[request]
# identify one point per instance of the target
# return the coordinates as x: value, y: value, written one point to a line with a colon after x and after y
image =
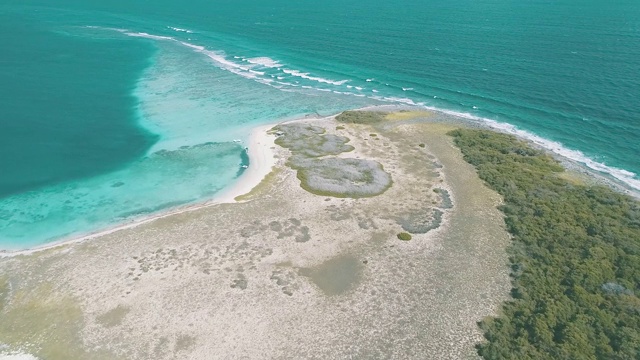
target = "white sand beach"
x: 261, y: 162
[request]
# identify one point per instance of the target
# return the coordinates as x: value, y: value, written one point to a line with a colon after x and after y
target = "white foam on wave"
x: 217, y: 56
x: 264, y: 61
x: 406, y: 101
x: 195, y: 47
x: 244, y: 70
x: 313, y: 78
x: 180, y: 30
x: 625, y: 176
x: 148, y: 36
x: 220, y: 59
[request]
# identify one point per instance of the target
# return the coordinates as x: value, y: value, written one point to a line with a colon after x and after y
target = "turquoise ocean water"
x: 111, y: 110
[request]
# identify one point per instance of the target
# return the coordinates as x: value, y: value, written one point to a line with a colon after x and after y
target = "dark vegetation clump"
x: 311, y: 141
x: 361, y: 117
x: 324, y: 175
x: 575, y: 258
x: 422, y: 221
x: 404, y: 236
x: 342, y: 177
x: 445, y: 198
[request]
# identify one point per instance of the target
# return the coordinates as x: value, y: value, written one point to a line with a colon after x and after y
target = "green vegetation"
x: 404, y: 236
x: 421, y: 145
x: 575, y: 258
x: 361, y: 117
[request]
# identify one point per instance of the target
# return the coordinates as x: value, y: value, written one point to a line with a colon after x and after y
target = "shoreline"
x: 235, y: 266
x: 261, y: 163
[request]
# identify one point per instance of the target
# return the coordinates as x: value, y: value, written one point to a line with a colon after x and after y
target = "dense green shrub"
x: 404, y: 236
x: 360, y: 117
x: 575, y: 258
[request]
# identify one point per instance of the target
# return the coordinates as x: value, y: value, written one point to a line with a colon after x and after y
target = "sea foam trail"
x: 180, y: 30
x: 264, y: 61
x: 248, y: 71
x: 314, y: 78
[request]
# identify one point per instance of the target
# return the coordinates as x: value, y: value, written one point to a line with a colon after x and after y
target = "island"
x: 370, y: 234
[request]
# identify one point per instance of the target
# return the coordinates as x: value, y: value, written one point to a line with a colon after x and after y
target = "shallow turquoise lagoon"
x: 111, y: 110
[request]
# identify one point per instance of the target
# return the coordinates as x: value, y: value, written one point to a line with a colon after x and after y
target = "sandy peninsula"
x: 295, y: 261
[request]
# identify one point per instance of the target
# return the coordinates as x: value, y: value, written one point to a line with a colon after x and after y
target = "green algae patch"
x: 335, y: 276
x: 43, y: 323
x: 361, y: 117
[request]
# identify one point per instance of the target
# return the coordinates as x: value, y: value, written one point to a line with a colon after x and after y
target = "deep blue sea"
x: 114, y: 109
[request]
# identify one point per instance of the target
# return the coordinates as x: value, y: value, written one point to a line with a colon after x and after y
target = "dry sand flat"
x: 284, y: 274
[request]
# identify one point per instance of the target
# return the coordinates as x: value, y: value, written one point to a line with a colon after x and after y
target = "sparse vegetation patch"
x: 330, y: 176
x: 339, y: 177
x: 361, y: 117
x: 421, y: 221
x: 310, y: 141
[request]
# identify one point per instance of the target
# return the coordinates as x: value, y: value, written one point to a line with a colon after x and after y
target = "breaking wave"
x: 264, y: 69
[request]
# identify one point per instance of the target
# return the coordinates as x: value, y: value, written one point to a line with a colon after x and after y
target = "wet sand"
x: 283, y: 273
